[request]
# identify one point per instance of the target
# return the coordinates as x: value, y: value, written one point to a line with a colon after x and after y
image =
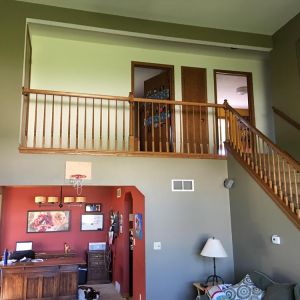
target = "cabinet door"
x: 12, y: 286
x: 68, y: 281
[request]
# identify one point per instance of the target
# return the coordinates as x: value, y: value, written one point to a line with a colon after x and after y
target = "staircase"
x: 273, y: 169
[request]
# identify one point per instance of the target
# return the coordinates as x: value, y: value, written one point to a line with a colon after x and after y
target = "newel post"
x: 227, y: 121
x: 131, y: 122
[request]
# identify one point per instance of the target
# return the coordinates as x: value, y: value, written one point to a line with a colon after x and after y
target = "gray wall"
x: 285, y: 69
x: 255, y: 218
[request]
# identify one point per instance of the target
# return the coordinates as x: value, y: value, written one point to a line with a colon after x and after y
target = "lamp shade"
x: 80, y: 199
x: 69, y: 199
x: 53, y: 199
x: 40, y: 199
x: 213, y: 248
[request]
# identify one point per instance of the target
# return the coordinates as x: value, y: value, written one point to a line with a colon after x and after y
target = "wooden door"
x: 156, y: 128
x: 195, y: 128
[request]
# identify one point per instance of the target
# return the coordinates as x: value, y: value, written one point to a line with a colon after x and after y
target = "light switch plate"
x: 157, y: 245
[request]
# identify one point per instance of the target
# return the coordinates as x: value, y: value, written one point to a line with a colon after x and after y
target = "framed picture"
x: 93, y: 207
x: 91, y: 222
x: 48, y: 221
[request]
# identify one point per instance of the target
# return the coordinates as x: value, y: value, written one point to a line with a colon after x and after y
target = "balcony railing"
x: 98, y: 124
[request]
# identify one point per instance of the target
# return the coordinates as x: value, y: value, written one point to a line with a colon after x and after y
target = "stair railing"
x: 277, y: 171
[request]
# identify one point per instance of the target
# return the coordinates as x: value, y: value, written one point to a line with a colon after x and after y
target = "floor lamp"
x: 214, y: 248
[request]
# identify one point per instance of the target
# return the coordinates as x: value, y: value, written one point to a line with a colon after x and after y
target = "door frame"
x: 248, y: 75
x: 169, y: 68
x: 147, y: 65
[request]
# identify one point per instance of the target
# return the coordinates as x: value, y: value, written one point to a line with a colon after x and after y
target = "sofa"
x: 271, y: 289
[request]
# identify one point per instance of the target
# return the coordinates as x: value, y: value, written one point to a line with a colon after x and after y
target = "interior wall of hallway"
x: 285, y: 62
x: 254, y: 219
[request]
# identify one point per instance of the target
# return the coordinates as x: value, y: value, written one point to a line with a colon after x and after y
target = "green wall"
x: 254, y: 219
x: 285, y: 68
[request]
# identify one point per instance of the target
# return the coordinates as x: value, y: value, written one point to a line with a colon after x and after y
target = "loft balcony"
x: 64, y: 122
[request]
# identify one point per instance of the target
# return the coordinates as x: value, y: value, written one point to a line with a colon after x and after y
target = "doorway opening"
x: 156, y: 82
x: 237, y: 88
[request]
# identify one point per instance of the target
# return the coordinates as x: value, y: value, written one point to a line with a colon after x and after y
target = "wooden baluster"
x: 116, y: 126
x: 108, y: 125
x: 26, y: 99
x: 174, y: 128
x: 60, y: 121
x: 250, y: 154
x: 255, y: 153
x: 274, y: 173
x: 296, y: 194
x: 194, y: 130
x: 181, y: 128
x: 291, y: 200
x: 285, y: 197
x: 131, y: 123
x: 152, y: 127
x: 200, y: 130
x: 77, y: 123
x: 146, y: 126
x: 214, y: 132
x: 52, y: 121
x: 187, y: 130
x: 85, y: 120
x: 138, y: 124
x: 44, y: 122
x: 93, y: 125
x: 279, y: 179
x: 246, y: 144
x: 69, y: 124
x: 167, y: 130
x: 35, y: 120
x: 259, y: 155
x: 101, y: 126
x: 265, y: 164
x: 159, y: 128
x: 221, y: 151
x: 227, y: 131
x: 269, y: 168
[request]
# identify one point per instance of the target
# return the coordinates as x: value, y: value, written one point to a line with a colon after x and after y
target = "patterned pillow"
x: 244, y: 290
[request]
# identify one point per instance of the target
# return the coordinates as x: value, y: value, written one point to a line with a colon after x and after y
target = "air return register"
x: 182, y: 185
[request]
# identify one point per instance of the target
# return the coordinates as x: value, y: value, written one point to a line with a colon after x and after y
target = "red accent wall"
x: 121, y: 244
x: 18, y: 200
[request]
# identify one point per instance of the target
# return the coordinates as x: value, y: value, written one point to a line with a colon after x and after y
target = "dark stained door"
x: 195, y: 129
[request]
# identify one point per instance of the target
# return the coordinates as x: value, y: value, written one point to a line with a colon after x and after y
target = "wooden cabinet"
x: 51, y: 279
x: 97, y: 267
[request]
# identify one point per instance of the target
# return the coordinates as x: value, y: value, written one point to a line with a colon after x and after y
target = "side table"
x: 201, y: 289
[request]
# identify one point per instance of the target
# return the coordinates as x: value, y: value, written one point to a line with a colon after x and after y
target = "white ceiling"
x: 257, y: 16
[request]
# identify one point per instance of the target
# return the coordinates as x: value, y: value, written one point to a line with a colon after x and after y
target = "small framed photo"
x: 91, y: 222
x: 93, y: 207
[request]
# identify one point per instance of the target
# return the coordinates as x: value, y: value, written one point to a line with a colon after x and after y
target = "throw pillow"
x: 279, y: 292
x: 244, y: 290
x: 216, y: 293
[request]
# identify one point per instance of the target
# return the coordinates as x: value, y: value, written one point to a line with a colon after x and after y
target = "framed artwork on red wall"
x: 48, y: 221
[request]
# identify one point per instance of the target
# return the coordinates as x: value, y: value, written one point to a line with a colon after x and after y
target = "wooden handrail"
x: 176, y: 102
x: 27, y: 91
x: 286, y: 155
x: 287, y: 118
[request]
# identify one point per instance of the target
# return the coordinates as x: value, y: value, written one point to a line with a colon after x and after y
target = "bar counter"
x: 55, y: 278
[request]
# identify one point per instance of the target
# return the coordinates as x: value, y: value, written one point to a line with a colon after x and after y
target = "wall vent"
x: 182, y: 185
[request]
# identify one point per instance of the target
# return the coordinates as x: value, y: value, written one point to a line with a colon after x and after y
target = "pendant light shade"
x: 80, y: 199
x: 69, y: 199
x: 53, y: 199
x: 40, y: 199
